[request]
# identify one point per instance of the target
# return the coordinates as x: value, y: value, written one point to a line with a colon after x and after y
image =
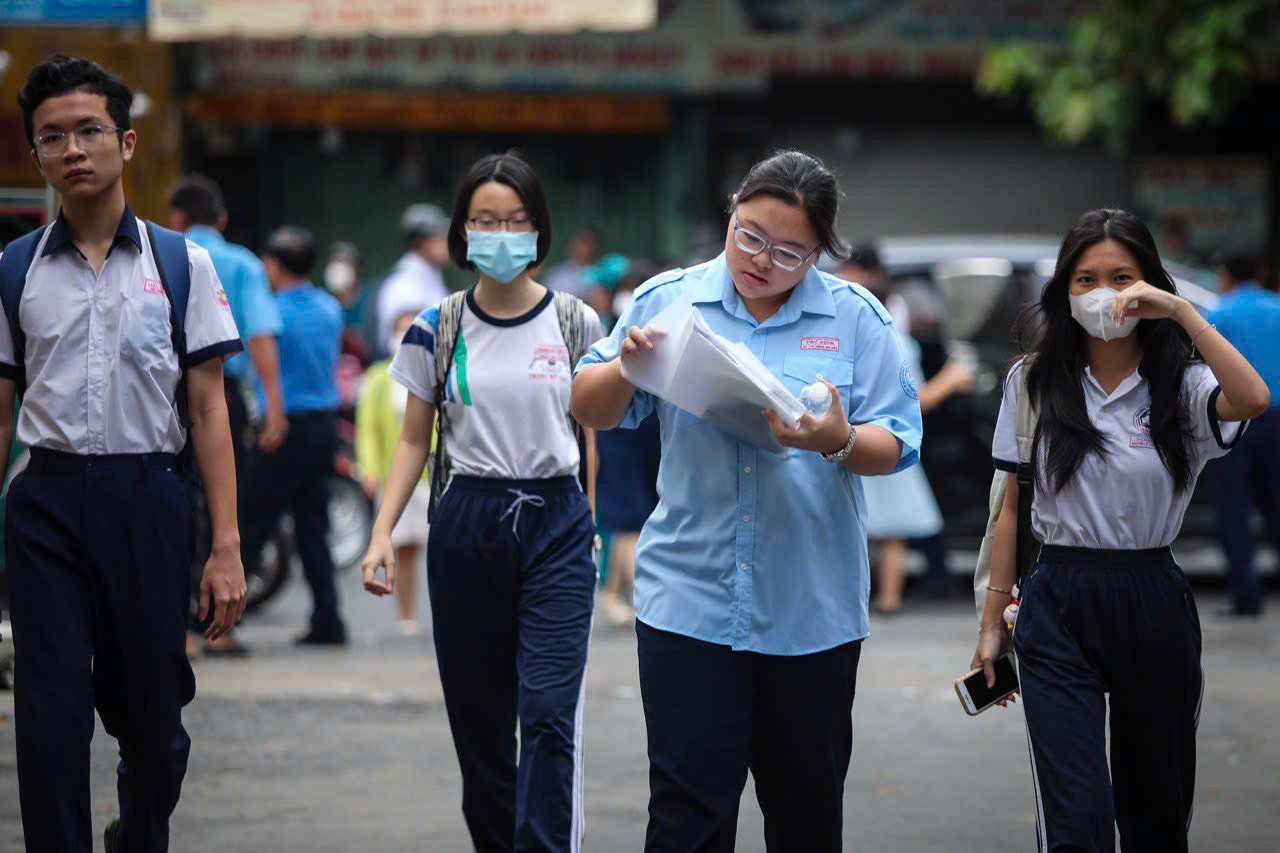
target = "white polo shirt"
x: 100, y: 367
x: 1125, y: 499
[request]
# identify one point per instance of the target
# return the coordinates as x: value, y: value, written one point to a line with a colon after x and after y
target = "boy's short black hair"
x: 864, y: 255
x: 61, y: 75
x: 513, y: 171
x: 294, y: 248
x: 199, y: 198
x: 1241, y: 266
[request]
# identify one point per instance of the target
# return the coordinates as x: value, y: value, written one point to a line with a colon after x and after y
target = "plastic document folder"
x: 719, y: 380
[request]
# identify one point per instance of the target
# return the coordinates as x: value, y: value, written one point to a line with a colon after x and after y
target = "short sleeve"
x: 414, y: 366
x: 884, y: 392
x: 1004, y: 444
x: 1213, y: 437
x: 210, y: 328
x: 260, y: 314
x: 606, y: 349
x: 8, y: 361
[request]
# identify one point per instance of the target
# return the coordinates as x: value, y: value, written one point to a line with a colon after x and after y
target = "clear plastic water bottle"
x: 816, y: 398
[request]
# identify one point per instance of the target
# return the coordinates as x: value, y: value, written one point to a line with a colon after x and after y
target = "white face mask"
x: 339, y: 277
x: 1092, y: 311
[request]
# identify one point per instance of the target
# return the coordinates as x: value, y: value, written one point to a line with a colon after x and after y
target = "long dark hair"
x: 800, y: 180
x: 1057, y: 358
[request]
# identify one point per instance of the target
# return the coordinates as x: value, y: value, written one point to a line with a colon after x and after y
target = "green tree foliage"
x: 1196, y: 57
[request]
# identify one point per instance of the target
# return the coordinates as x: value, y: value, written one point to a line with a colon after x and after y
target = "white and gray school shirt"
x: 507, y: 394
x: 100, y: 367
x: 1125, y: 499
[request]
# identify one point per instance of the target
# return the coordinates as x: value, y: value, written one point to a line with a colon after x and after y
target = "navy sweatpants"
x: 713, y: 714
x: 1118, y: 624
x: 512, y: 584
x: 98, y: 551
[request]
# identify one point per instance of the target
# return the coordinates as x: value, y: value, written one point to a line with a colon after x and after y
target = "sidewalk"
x: 349, y: 750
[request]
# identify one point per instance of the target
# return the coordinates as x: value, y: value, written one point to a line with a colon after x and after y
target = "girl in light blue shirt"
x: 751, y: 575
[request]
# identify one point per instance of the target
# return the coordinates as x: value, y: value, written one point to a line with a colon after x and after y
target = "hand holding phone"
x: 974, y: 693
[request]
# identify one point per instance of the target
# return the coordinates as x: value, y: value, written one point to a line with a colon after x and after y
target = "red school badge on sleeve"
x: 222, y: 298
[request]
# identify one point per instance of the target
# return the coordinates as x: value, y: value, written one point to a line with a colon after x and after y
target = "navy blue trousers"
x: 713, y: 714
x: 1246, y: 477
x: 99, y: 560
x: 512, y: 584
x: 297, y: 478
x: 1120, y: 625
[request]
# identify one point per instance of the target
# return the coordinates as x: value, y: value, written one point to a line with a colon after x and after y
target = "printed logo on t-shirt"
x: 820, y: 344
x: 152, y: 286
x: 550, y: 361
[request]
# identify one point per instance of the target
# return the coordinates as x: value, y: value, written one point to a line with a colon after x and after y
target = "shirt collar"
x: 810, y: 296
x: 60, y: 232
x: 205, y: 236
x: 1133, y: 380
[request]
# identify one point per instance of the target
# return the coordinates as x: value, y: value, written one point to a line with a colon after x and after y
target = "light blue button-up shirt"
x: 245, y: 281
x: 747, y: 548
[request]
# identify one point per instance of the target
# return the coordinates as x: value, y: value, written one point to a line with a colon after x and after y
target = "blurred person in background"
x: 379, y: 420
x: 415, y: 282
x: 890, y: 519
x: 297, y: 475
x: 197, y: 208
x: 570, y: 275
x: 1249, y: 317
x: 343, y: 278
x: 604, y: 277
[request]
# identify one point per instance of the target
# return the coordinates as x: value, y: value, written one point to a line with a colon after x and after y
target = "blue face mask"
x: 502, y: 255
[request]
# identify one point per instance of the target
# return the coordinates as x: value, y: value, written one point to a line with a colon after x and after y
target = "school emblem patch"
x: 1141, y: 435
x: 908, y: 383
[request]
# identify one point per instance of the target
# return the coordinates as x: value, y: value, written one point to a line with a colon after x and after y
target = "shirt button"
x: 746, y: 518
x: 746, y: 469
x: 742, y: 566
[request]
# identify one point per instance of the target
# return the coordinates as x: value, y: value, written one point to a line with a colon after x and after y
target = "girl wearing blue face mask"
x: 1134, y: 391
x: 510, y: 571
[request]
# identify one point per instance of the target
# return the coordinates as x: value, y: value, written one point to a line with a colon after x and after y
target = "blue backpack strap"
x: 170, y: 249
x: 14, y: 263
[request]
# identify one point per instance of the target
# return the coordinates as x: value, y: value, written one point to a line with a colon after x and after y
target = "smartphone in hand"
x: 974, y: 693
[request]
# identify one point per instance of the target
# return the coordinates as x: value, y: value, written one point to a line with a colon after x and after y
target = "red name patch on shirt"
x: 820, y: 344
x: 151, y: 285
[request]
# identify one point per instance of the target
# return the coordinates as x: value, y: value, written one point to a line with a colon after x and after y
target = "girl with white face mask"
x: 1135, y: 392
x: 510, y: 571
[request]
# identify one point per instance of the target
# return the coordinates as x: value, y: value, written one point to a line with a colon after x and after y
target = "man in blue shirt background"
x: 197, y: 208
x: 1249, y: 317
x: 297, y: 475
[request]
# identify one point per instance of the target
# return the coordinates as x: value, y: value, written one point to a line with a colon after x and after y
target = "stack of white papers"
x: 719, y: 380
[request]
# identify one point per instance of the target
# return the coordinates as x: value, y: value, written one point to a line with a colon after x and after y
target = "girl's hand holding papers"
x: 639, y: 342
x: 826, y: 434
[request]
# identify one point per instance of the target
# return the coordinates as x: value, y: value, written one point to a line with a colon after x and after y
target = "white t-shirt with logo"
x: 507, y: 394
x: 1125, y: 499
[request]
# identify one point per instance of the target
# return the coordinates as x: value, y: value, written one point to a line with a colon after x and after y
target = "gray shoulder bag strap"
x: 1026, y: 432
x: 450, y: 324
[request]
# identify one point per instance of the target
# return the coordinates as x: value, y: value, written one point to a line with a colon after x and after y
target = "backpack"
x: 170, y: 251
x: 1025, y: 552
x: 570, y: 312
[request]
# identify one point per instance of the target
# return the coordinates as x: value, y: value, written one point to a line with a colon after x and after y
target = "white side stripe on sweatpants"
x: 578, y: 828
x: 1041, y: 830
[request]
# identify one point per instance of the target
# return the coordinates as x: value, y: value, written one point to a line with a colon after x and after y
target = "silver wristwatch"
x: 843, y: 453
